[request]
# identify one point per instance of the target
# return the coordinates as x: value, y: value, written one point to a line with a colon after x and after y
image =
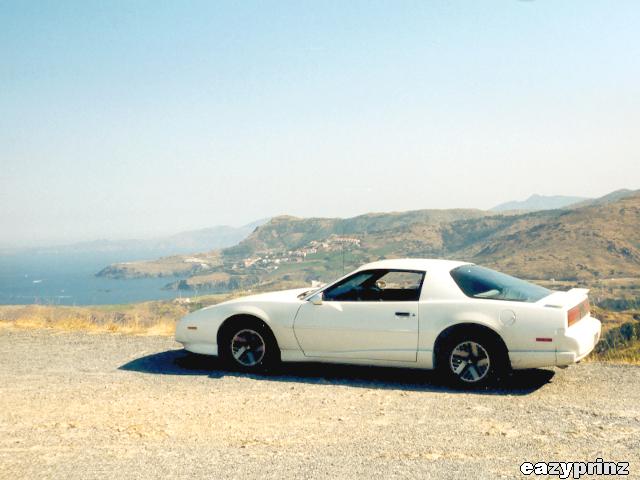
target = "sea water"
x: 69, y: 279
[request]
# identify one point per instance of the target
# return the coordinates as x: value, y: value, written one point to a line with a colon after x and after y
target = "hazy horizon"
x: 171, y: 232
x: 124, y: 121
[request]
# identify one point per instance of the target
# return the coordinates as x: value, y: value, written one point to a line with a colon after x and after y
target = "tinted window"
x: 377, y: 285
x: 350, y: 289
x: 480, y: 282
x: 400, y: 286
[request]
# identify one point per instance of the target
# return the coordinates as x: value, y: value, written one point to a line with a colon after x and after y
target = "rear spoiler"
x: 565, y: 299
x: 582, y: 291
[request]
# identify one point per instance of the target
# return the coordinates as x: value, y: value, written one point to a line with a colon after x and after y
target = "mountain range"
x: 539, y: 202
x: 220, y: 236
x: 591, y: 239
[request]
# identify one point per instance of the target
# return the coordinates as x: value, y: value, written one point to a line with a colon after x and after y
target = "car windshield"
x: 481, y: 282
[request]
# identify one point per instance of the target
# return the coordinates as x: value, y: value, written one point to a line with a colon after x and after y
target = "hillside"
x: 595, y: 241
x: 290, y: 249
x: 290, y: 233
x: 609, y: 198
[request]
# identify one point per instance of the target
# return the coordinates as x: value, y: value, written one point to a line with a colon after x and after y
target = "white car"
x: 469, y: 322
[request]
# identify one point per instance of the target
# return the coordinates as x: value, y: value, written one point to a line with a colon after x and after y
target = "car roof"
x: 427, y: 264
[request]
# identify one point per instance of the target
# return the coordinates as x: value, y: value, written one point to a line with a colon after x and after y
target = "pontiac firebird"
x: 470, y: 323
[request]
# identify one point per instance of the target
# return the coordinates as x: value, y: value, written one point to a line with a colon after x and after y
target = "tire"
x: 471, y: 359
x: 247, y: 345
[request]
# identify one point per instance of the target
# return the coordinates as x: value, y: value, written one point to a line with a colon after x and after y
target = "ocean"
x: 69, y: 279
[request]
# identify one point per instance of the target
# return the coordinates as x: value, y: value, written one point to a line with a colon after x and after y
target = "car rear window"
x: 481, y: 282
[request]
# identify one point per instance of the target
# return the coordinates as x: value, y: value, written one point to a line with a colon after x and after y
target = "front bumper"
x: 202, y: 348
x: 578, y: 341
x: 197, y: 332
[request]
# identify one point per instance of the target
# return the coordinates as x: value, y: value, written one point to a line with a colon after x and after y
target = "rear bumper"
x: 571, y: 346
x: 578, y: 341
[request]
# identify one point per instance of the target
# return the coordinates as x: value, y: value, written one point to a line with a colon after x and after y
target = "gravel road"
x: 84, y: 406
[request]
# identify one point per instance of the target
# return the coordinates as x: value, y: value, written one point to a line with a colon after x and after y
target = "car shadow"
x: 181, y: 362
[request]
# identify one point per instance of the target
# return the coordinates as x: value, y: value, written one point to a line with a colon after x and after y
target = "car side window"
x: 377, y: 285
x: 351, y: 289
x: 400, y: 286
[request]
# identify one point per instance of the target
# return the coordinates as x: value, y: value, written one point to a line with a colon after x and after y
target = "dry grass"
x: 150, y: 318
x: 623, y: 352
x: 629, y: 355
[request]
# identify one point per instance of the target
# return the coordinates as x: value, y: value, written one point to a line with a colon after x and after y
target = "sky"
x: 138, y: 119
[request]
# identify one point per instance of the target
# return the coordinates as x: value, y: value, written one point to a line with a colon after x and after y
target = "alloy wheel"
x: 248, y: 347
x: 470, y: 362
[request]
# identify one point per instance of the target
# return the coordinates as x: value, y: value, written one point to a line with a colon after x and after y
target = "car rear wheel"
x: 470, y: 360
x: 248, y: 345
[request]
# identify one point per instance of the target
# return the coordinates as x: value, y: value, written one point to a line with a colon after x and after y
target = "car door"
x: 371, y: 315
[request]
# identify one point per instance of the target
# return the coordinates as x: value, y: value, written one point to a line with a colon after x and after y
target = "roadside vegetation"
x: 620, y: 341
x: 147, y: 318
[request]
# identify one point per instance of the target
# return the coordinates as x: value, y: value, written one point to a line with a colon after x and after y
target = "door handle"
x: 402, y: 314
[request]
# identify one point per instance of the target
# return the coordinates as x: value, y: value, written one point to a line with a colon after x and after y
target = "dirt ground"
x: 88, y: 406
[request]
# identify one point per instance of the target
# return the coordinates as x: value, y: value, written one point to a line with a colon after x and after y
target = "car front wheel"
x: 249, y: 346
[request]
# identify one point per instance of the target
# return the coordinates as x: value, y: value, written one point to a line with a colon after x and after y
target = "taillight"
x: 578, y: 312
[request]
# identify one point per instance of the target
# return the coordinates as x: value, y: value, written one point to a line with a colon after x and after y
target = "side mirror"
x: 316, y: 299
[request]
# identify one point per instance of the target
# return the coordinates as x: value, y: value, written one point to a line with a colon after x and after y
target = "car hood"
x: 279, y: 296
